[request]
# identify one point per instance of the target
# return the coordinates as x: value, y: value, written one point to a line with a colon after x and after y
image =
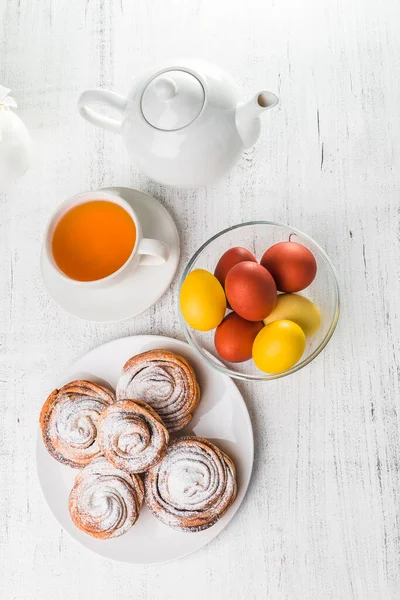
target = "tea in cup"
x: 95, y: 236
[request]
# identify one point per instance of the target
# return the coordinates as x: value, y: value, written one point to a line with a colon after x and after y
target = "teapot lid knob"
x: 172, y: 100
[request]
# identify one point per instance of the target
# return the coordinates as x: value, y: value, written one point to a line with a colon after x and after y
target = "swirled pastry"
x: 192, y: 487
x: 164, y: 380
x: 132, y: 436
x: 68, y: 421
x: 105, y: 502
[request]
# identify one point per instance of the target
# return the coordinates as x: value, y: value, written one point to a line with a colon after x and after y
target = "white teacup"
x: 146, y: 251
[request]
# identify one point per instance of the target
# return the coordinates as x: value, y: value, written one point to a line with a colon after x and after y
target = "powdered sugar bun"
x: 132, y: 436
x: 68, y: 421
x: 105, y: 502
x: 193, y: 486
x: 164, y: 380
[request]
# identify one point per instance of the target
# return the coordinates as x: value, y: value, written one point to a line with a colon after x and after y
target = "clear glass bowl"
x: 257, y: 236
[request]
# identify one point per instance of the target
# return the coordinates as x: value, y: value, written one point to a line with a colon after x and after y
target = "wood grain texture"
x: 321, y: 517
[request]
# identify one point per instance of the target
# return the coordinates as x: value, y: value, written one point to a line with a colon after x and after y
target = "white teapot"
x: 185, y: 124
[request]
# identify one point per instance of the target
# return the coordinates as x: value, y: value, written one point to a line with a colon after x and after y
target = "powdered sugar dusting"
x: 69, y: 421
x: 193, y: 486
x: 105, y: 502
x: 132, y: 436
x: 189, y: 482
x: 166, y: 382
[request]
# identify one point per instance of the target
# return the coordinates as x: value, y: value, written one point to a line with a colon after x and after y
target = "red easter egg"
x: 229, y: 259
x: 251, y: 291
x: 234, y: 337
x: 292, y: 266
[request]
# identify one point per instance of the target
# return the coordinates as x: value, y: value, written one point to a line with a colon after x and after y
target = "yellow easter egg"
x: 278, y: 346
x: 298, y: 309
x: 202, y: 300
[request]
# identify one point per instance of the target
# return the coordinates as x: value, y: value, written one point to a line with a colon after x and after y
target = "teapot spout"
x: 247, y: 116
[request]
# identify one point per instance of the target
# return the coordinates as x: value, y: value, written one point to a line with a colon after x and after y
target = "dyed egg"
x: 292, y: 266
x: 250, y: 290
x: 278, y: 346
x: 202, y: 300
x: 298, y: 309
x: 234, y: 338
x: 228, y: 260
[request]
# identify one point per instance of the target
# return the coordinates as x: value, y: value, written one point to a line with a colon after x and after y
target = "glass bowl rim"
x: 221, y: 367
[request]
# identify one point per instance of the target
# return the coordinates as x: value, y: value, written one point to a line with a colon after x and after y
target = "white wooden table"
x: 321, y: 517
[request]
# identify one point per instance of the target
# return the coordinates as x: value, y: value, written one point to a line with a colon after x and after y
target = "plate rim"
x: 234, y: 509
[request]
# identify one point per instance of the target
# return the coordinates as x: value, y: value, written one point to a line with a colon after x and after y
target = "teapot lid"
x: 172, y: 100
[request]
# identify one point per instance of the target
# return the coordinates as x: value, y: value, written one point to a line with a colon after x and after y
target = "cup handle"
x: 152, y: 252
x: 107, y: 98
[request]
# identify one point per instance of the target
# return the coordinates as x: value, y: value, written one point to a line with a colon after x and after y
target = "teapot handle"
x: 107, y: 98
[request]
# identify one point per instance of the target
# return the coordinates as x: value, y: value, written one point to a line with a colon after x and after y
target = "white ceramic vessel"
x: 184, y: 124
x: 119, y: 299
x: 15, y: 142
x: 221, y: 417
x: 146, y: 251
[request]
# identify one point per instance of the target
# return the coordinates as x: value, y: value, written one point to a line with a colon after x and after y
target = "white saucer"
x: 133, y: 295
x: 221, y: 417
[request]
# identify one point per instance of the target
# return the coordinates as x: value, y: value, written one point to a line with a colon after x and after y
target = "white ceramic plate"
x: 221, y: 417
x: 120, y: 300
